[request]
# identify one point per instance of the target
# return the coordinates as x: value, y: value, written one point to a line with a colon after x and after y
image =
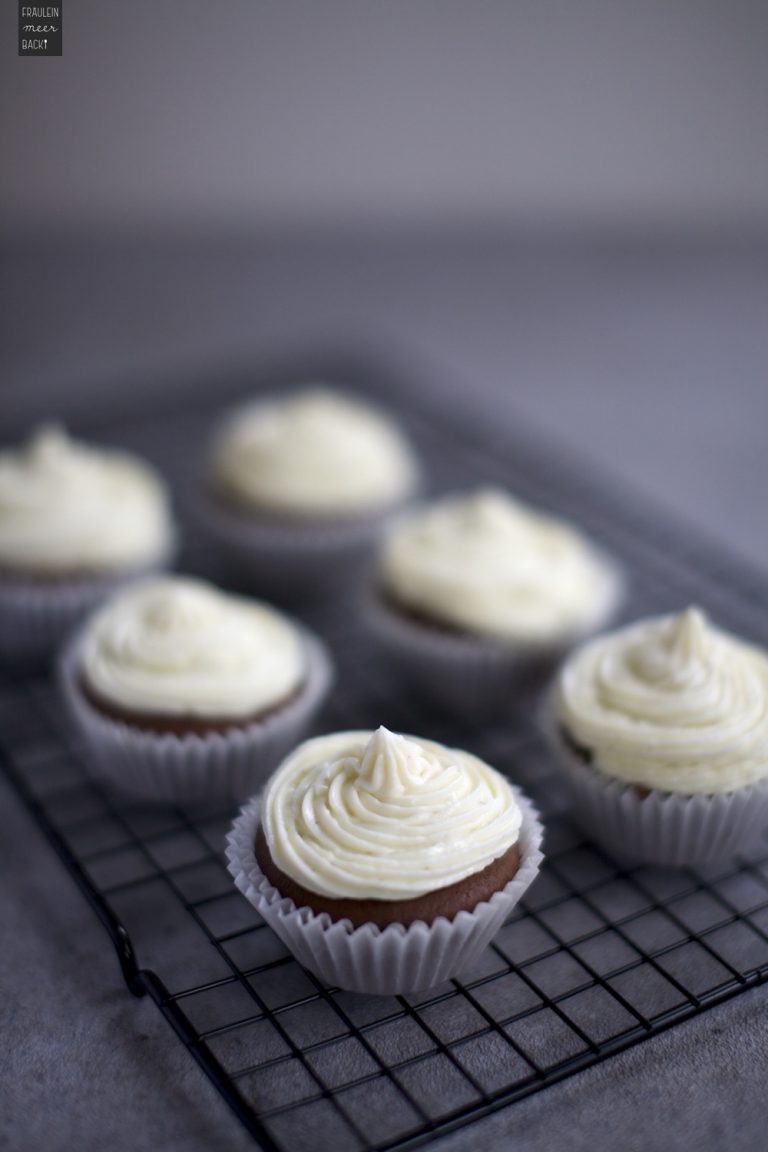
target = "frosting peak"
x: 689, y: 637
x: 314, y: 453
x: 178, y: 606
x: 68, y: 507
x: 487, y: 564
x: 491, y: 509
x: 671, y: 703
x: 677, y: 654
x: 392, y: 765
x: 386, y: 817
x: 48, y: 446
x: 179, y: 647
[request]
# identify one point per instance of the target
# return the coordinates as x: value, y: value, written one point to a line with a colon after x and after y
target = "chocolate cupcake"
x: 385, y: 863
x: 661, y: 730
x: 185, y: 693
x: 474, y: 593
x: 300, y: 487
x: 75, y: 522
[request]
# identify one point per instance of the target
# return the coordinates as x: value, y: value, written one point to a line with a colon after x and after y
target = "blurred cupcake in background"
x: 184, y: 693
x: 661, y: 730
x: 476, y: 590
x: 300, y: 487
x: 76, y: 520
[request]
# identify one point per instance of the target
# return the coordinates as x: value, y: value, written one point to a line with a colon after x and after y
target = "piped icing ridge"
x: 180, y: 647
x: 488, y: 564
x: 316, y: 453
x: 69, y: 507
x: 374, y: 815
x: 671, y: 703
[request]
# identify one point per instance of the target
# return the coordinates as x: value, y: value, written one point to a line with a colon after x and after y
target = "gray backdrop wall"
x: 250, y: 110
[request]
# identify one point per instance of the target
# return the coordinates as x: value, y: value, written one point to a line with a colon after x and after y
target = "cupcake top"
x: 372, y: 815
x: 313, y: 454
x: 179, y: 647
x: 671, y: 703
x: 487, y: 564
x: 67, y: 507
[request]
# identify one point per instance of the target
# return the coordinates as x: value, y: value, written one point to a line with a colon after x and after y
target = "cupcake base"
x: 36, y: 616
x: 390, y: 960
x: 442, y: 902
x: 180, y: 725
x: 193, y: 768
x: 455, y: 671
x: 647, y: 826
x: 290, y: 560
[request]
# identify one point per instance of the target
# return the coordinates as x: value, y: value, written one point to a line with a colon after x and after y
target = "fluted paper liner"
x: 369, y: 959
x: 472, y: 675
x: 654, y: 827
x: 36, y: 617
x: 285, y: 560
x: 194, y: 768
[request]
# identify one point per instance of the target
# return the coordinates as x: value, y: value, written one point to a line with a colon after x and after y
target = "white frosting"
x: 314, y: 454
x: 487, y: 564
x: 179, y: 647
x: 670, y: 703
x: 67, y: 507
x: 371, y: 815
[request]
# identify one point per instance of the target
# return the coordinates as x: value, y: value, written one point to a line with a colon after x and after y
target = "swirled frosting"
x: 179, y: 647
x: 487, y: 564
x: 372, y: 815
x: 313, y: 454
x: 67, y: 507
x: 671, y: 703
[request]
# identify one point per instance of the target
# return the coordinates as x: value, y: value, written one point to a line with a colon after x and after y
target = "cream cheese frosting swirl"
x: 66, y: 507
x: 487, y: 564
x: 313, y: 454
x: 671, y: 703
x: 373, y: 815
x: 179, y: 647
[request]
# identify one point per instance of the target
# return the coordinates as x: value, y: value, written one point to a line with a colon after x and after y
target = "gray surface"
x: 84, y: 1065
x: 649, y: 357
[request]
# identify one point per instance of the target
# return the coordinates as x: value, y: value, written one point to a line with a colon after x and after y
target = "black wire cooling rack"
x: 597, y: 958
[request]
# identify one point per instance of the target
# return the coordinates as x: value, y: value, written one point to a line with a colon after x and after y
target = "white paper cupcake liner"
x: 36, y: 618
x: 468, y: 675
x: 193, y: 769
x: 661, y: 828
x: 286, y: 561
x: 369, y: 959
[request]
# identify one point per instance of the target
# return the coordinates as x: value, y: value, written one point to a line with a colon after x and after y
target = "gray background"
x: 645, y: 352
x: 186, y: 111
x: 558, y: 211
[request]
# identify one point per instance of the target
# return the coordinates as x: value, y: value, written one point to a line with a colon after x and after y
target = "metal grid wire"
x: 596, y: 958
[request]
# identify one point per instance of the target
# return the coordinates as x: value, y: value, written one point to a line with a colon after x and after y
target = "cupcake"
x: 184, y: 693
x: 385, y: 863
x: 475, y: 591
x: 300, y: 486
x: 661, y: 729
x: 75, y: 521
